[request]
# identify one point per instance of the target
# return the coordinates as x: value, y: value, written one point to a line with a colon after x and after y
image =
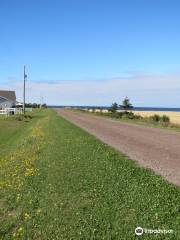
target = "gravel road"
x: 154, y: 148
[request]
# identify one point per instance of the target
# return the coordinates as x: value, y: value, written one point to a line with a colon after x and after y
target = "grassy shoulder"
x: 62, y: 183
x: 12, y: 130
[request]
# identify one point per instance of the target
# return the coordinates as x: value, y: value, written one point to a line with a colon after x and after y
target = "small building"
x: 7, y: 99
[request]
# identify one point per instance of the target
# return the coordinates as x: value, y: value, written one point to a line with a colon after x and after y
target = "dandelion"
x: 26, y: 216
x: 39, y: 210
x: 18, y: 197
x: 20, y: 229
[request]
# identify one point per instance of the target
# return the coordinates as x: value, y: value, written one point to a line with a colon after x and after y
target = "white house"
x: 7, y: 99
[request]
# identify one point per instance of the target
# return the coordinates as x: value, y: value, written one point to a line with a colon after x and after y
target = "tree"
x: 44, y: 105
x: 126, y: 105
x: 114, y: 107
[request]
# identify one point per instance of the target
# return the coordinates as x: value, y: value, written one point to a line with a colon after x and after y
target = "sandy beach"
x: 174, y: 116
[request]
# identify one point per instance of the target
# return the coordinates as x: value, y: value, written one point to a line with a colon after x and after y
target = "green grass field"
x: 59, y: 182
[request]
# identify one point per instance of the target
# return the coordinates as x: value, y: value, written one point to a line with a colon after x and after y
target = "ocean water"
x: 135, y: 108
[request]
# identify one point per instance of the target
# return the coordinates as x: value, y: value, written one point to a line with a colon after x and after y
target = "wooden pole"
x: 24, y: 91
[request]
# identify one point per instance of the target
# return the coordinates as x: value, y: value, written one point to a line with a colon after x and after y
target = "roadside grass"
x: 62, y: 183
x: 12, y: 128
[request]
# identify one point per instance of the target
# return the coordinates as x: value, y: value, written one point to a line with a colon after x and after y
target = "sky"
x: 92, y: 52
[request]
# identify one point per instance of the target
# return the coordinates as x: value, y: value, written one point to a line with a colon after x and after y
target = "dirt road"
x: 154, y: 148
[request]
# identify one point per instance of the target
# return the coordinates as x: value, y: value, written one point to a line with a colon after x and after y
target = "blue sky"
x: 86, y: 44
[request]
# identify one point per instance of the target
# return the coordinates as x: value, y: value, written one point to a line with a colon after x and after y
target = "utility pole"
x: 24, y: 91
x: 41, y: 101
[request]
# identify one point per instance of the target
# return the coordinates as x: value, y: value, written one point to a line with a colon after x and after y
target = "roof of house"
x: 9, y: 95
x: 2, y: 100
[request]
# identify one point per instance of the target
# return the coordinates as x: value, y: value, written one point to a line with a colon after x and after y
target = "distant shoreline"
x: 158, y: 109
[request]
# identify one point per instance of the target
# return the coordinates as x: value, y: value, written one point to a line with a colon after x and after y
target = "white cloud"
x: 142, y: 89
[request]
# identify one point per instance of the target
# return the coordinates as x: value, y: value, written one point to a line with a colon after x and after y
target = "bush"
x: 155, y: 118
x: 120, y: 114
x: 130, y: 115
x: 115, y: 115
x: 22, y: 117
x: 165, y: 119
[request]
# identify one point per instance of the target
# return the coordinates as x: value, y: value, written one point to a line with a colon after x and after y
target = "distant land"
x: 165, y: 109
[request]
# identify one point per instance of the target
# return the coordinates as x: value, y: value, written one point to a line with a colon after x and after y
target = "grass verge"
x: 61, y: 183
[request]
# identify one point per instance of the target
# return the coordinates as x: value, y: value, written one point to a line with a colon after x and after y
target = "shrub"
x: 115, y: 115
x: 155, y: 118
x: 130, y: 115
x: 22, y: 117
x: 165, y: 119
x: 120, y: 114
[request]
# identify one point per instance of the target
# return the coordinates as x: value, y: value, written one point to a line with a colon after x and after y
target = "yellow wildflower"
x: 39, y: 210
x: 26, y: 216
